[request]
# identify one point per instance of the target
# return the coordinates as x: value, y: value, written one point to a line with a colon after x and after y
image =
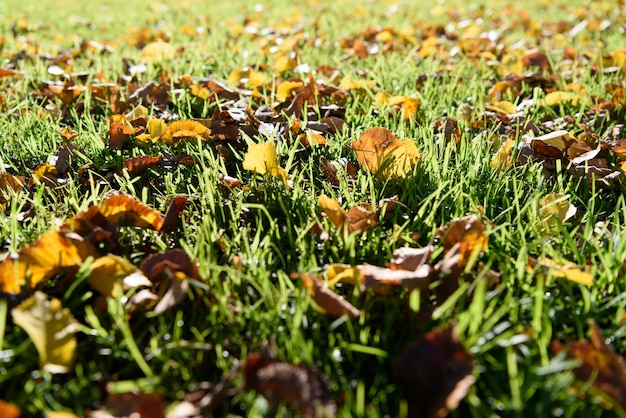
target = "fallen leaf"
x: 600, y: 363
x: 468, y: 232
x: 369, y: 276
x: 562, y: 269
x: 8, y: 410
x: 110, y: 274
x: 299, y: 387
x: 384, y: 155
x: 262, y: 159
x: 169, y: 272
x: 158, y: 51
x: 51, y: 328
x: 125, y: 210
x: 132, y: 404
x: 555, y: 207
x: 328, y: 301
x: 436, y: 372
x: 183, y: 130
x: 50, y: 255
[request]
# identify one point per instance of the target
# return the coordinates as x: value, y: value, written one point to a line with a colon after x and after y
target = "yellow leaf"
x: 283, y: 92
x: 348, y: 83
x: 262, y: 159
x: 503, y: 156
x: 555, y: 207
x: 157, y: 51
x: 344, y: 273
x: 560, y: 139
x: 248, y: 77
x: 110, y: 272
x: 52, y: 253
x: 503, y: 106
x: 566, y: 270
x: 51, y: 329
x: 557, y: 98
x: 333, y: 210
x: 184, y: 129
x: 285, y: 63
x: 59, y: 414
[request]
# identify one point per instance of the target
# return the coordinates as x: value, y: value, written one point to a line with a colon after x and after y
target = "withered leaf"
x: 327, y: 300
x: 598, y: 361
x: 299, y: 387
x: 53, y: 253
x: 436, y: 372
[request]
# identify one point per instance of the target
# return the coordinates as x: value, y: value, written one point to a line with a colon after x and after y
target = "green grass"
x: 235, y: 310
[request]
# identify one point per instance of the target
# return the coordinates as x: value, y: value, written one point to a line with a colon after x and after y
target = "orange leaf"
x: 8, y: 410
x: 378, y: 149
x: 50, y: 255
x: 125, y: 210
x: 467, y: 232
x: 600, y: 362
x: 185, y: 129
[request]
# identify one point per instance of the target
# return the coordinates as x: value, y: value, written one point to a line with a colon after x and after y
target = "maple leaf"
x: 51, y: 328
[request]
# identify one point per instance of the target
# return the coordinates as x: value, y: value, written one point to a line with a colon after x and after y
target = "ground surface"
x: 314, y: 207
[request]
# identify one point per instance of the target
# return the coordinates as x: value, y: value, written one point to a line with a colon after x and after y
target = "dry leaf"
x: 50, y: 255
x: 328, y: 301
x: 262, y: 159
x: 562, y: 269
x: 555, y: 207
x: 299, y: 387
x: 600, y: 362
x: 51, y: 329
x: 125, y: 210
x: 436, y: 372
x: 111, y: 273
x: 384, y: 155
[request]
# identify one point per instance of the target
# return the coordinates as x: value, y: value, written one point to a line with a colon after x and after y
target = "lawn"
x: 312, y: 208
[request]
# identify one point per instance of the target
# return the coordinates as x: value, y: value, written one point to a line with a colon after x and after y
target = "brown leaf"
x: 139, y: 165
x: 328, y: 301
x: 169, y: 272
x: 468, y: 232
x: 299, y: 387
x: 407, y: 258
x: 598, y: 360
x: 141, y: 405
x: 436, y: 372
x: 172, y: 216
